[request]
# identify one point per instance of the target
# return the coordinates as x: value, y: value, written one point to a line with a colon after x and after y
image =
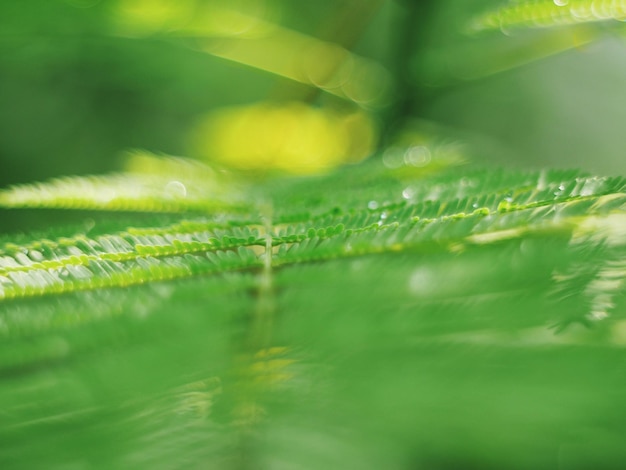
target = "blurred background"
x: 294, y: 87
x: 298, y: 86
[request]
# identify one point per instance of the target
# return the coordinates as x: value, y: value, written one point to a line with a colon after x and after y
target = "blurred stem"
x: 343, y: 28
x: 410, y: 41
x: 346, y: 26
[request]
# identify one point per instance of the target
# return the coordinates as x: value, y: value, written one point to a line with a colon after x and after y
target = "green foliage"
x: 550, y: 13
x: 408, y: 311
x: 309, y: 312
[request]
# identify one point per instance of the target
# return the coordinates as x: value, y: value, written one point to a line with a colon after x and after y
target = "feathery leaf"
x: 156, y: 184
x: 549, y: 13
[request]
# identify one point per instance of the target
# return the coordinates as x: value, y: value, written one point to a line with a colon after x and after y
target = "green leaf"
x: 550, y: 13
x: 150, y: 184
x: 339, y: 309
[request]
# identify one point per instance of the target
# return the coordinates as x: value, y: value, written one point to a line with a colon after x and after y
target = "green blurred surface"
x: 74, y: 94
x: 481, y: 354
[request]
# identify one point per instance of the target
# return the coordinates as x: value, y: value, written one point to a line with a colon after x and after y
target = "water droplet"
x: 393, y: 157
x: 408, y: 193
x: 372, y: 205
x: 421, y: 282
x: 105, y: 195
x: 384, y: 215
x: 175, y: 189
x: 417, y: 156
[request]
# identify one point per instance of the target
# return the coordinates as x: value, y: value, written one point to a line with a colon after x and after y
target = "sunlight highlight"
x: 242, y: 32
x: 291, y: 137
x: 548, y: 13
x: 190, y: 18
x: 308, y: 60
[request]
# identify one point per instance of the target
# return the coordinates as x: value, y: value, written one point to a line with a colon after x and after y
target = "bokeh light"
x: 191, y: 18
x: 292, y: 137
x: 305, y: 59
x: 547, y: 13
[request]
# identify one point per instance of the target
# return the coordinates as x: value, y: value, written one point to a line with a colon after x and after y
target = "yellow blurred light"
x: 235, y: 18
x: 148, y: 16
x: 308, y: 60
x: 291, y: 137
x: 551, y: 13
x: 240, y: 32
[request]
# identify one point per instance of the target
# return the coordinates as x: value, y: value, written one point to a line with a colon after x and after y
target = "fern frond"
x: 482, y: 207
x: 132, y: 257
x: 458, y: 191
x: 548, y: 13
x: 399, y: 313
x: 151, y: 183
x: 279, y: 310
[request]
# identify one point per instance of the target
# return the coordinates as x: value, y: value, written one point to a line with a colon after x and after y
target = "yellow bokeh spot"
x: 147, y: 16
x: 190, y: 17
x: 291, y: 137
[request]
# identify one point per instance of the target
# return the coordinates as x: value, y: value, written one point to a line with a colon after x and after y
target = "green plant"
x: 410, y: 311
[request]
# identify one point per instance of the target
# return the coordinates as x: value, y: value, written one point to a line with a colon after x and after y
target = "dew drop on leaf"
x: 421, y: 282
x: 560, y: 190
x: 408, y: 193
x: 175, y: 190
x: 417, y: 156
x: 393, y: 157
